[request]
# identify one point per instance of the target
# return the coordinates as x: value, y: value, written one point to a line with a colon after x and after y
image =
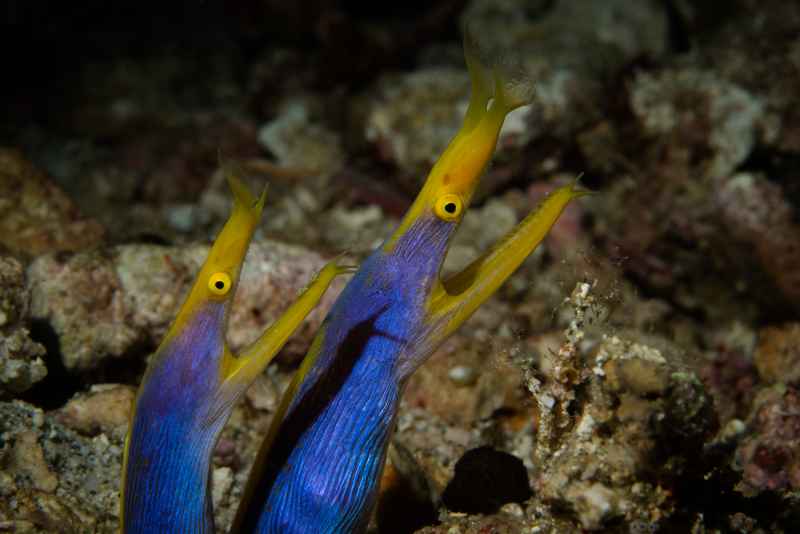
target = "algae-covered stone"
x: 107, y: 303
x: 13, y: 296
x: 638, y: 369
x: 52, y: 479
x: 641, y: 416
x: 299, y: 141
x: 21, y: 363
x: 777, y: 356
x: 639, y: 399
x: 534, y: 519
x: 769, y: 456
x: 730, y: 116
x: 105, y: 408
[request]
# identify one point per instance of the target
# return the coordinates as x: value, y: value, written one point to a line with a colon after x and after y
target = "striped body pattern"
x: 324, y: 467
x: 194, y: 380
x: 168, y: 442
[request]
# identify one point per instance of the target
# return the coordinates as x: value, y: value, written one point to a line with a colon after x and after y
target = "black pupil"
x: 450, y: 207
x: 219, y: 284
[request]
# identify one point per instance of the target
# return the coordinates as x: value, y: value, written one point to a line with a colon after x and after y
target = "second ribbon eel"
x: 319, y: 466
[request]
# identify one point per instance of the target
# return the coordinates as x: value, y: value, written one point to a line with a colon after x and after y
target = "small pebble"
x: 512, y: 509
x: 37, y: 419
x: 463, y: 375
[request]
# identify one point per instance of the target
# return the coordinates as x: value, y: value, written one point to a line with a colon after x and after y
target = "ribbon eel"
x: 192, y: 383
x: 319, y: 466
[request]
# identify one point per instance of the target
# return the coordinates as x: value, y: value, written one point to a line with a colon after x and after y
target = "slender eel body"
x: 319, y: 466
x: 191, y: 384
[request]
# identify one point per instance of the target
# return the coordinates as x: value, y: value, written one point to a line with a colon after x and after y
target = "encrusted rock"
x: 298, y: 141
x: 106, y: 409
x: 760, y: 214
x: 724, y: 119
x: 755, y: 48
x: 308, y: 155
x: 13, y: 297
x: 106, y: 303
x: 501, y: 523
x: 645, y: 400
x: 53, y: 480
x: 642, y: 413
x: 769, y: 457
x: 777, y: 356
x: 21, y: 363
x: 535, y: 520
x: 640, y: 370
x: 221, y: 482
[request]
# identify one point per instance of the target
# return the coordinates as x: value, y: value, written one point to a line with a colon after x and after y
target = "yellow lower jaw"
x: 457, y: 298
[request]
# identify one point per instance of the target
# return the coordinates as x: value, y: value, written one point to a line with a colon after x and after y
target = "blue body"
x: 170, y: 440
x: 324, y: 467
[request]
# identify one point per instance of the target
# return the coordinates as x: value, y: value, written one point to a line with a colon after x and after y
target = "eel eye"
x: 219, y: 284
x: 448, y: 207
